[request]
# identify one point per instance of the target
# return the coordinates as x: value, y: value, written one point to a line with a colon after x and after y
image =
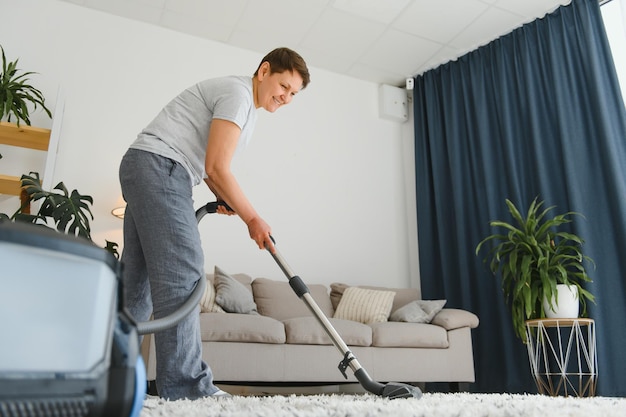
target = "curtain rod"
x: 603, y: 2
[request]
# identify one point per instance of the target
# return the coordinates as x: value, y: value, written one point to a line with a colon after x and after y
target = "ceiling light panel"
x: 384, y: 11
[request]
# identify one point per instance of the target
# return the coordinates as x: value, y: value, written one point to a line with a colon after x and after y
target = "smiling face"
x: 275, y: 89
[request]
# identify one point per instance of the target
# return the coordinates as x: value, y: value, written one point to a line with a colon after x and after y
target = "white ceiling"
x: 382, y: 41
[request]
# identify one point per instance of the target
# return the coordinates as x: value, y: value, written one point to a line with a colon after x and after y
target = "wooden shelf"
x: 24, y: 136
x: 10, y: 185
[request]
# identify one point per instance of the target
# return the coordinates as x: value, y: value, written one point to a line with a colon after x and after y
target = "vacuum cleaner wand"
x: 390, y: 390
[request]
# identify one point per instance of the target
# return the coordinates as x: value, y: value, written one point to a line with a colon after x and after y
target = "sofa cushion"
x: 231, y: 327
x: 418, y: 311
x: 403, y: 295
x: 365, y: 305
x: 414, y: 335
x: 232, y: 295
x: 452, y: 318
x: 276, y: 299
x: 308, y: 331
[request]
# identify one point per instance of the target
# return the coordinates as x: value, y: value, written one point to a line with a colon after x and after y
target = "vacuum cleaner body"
x: 67, y: 346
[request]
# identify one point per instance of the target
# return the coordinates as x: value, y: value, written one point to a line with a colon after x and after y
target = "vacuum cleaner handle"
x: 210, y: 208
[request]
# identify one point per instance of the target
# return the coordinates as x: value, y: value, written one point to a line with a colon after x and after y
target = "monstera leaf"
x: 70, y: 212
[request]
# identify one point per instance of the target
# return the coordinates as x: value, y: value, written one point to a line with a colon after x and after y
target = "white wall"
x: 333, y: 179
x: 614, y: 16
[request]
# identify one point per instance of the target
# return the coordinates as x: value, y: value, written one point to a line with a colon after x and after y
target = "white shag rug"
x: 368, y: 405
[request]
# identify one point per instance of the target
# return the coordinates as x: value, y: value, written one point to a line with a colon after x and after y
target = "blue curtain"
x: 537, y: 112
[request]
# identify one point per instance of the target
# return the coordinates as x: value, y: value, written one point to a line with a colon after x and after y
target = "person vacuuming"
x: 193, y: 139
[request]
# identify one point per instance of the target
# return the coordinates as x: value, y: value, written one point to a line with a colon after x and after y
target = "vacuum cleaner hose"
x: 157, y: 325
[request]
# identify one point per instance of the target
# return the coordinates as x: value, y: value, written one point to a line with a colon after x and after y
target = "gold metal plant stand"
x: 563, y: 356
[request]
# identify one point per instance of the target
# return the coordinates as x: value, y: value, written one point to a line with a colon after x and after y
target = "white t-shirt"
x: 181, y: 130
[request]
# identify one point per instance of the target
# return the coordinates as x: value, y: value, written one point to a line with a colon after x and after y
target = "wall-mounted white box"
x: 393, y: 103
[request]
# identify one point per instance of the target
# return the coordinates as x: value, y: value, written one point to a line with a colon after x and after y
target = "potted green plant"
x: 16, y: 93
x: 70, y: 213
x: 533, y: 254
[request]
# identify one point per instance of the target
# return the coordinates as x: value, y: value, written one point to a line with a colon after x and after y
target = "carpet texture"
x: 367, y: 405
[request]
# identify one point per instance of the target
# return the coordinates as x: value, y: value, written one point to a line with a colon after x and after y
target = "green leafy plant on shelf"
x: 533, y: 255
x: 69, y: 212
x: 16, y: 93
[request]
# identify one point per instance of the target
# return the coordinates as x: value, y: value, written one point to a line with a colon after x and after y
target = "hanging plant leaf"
x: 16, y: 93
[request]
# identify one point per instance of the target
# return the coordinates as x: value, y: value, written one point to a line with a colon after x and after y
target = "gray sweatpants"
x: 162, y: 259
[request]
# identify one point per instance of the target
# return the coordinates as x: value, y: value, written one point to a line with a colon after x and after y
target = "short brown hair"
x: 285, y: 59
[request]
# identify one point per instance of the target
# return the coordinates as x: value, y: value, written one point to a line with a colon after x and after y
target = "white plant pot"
x: 566, y: 305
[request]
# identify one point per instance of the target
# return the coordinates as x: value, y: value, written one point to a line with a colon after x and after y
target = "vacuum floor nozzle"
x: 395, y: 390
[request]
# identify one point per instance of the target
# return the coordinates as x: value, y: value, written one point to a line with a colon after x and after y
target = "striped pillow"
x: 365, y: 305
x: 207, y: 303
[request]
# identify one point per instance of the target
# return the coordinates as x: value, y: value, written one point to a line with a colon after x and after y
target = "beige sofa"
x: 273, y: 338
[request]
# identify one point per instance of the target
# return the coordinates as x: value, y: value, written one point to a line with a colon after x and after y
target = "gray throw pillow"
x: 231, y: 295
x: 418, y: 311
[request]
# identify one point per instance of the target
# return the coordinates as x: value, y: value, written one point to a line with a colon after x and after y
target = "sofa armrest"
x: 452, y: 318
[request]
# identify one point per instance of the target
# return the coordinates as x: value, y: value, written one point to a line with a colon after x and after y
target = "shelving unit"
x: 24, y: 137
x: 36, y: 138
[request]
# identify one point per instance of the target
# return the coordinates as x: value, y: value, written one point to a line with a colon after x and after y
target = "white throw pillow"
x: 365, y: 305
x: 207, y: 303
